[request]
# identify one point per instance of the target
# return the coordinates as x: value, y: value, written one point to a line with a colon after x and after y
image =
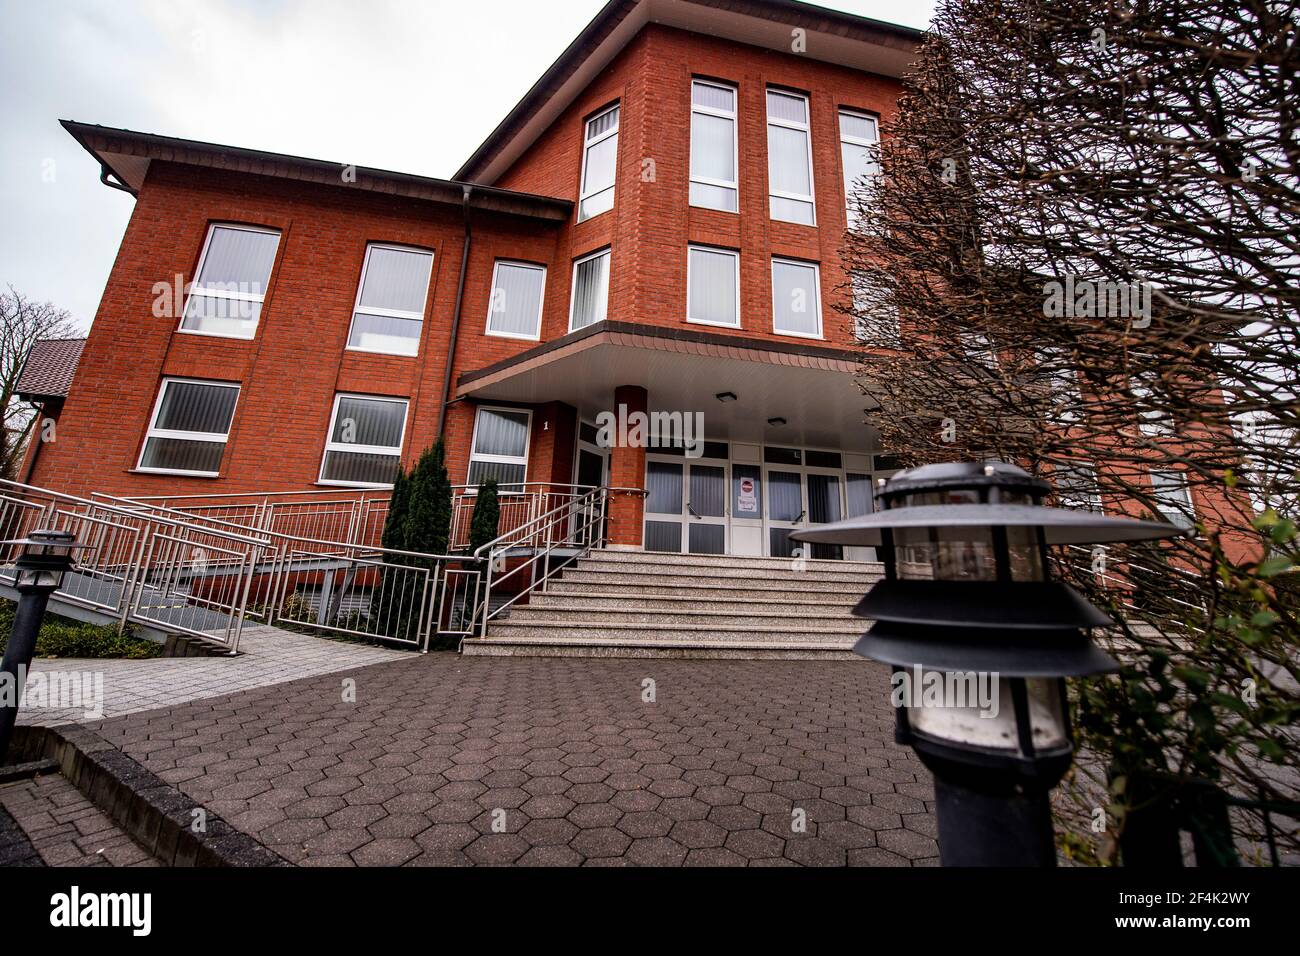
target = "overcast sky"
x: 408, y: 85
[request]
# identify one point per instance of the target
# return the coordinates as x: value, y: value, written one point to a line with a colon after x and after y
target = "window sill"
x: 404, y: 355
x: 355, y: 485
x: 175, y: 472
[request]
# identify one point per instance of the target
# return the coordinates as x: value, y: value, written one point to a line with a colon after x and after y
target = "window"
x: 713, y: 286
x: 875, y: 316
x: 234, y: 269
x: 858, y: 138
x: 599, y: 163
x: 789, y: 158
x: 796, y: 299
x: 1154, y: 422
x: 515, y: 306
x: 190, y: 424
x: 979, y: 349
x: 500, y: 448
x: 713, y: 146
x: 1173, y: 497
x: 1066, y: 399
x: 1076, y: 486
x: 590, y: 290
x: 390, y: 302
x: 364, y: 446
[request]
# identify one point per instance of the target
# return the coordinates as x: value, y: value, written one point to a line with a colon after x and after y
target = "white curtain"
x: 795, y: 306
x: 501, y: 433
x: 239, y: 260
x: 396, y: 279
x: 516, y: 299
x: 591, y: 291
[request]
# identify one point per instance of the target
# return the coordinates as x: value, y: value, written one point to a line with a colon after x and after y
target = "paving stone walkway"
x: 268, y: 656
x: 445, y: 760
x: 65, y: 828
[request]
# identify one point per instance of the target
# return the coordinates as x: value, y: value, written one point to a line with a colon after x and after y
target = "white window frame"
x: 499, y: 459
x: 196, y: 289
x: 587, y: 144
x: 806, y: 128
x: 735, y: 265
x: 1174, y: 516
x: 855, y: 141
x: 979, y: 347
x: 1091, y: 494
x: 541, y: 300
x: 390, y: 313
x: 817, y: 289
x: 734, y: 116
x: 153, y: 431
x: 331, y: 445
x: 573, y: 284
x: 1152, y: 422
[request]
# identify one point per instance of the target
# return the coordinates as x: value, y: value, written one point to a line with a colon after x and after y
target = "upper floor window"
x: 713, y: 146
x: 1076, y: 486
x: 979, y: 349
x: 500, y: 446
x: 713, y: 286
x: 515, y: 306
x: 599, y: 163
x: 364, y: 445
x: 796, y: 298
x: 227, y: 293
x: 789, y: 158
x: 1173, y: 497
x: 875, y: 314
x: 1153, y: 419
x: 389, y: 313
x: 191, y: 422
x: 590, y: 290
x: 858, y: 138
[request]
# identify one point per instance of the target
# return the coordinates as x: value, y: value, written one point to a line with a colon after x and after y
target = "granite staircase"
x: 642, y: 604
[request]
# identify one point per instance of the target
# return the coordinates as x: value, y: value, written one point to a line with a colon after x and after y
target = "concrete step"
x: 720, y: 591
x: 717, y: 602
x: 768, y: 570
x: 683, y: 634
x: 741, y: 563
x: 587, y: 614
x: 642, y: 648
x: 791, y: 583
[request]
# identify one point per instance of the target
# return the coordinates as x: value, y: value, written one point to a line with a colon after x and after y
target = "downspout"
x: 105, y: 172
x: 455, y: 319
x: 35, y: 439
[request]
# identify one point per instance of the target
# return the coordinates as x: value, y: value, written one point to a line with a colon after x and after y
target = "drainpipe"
x: 455, y: 320
x: 105, y: 173
x: 36, y: 442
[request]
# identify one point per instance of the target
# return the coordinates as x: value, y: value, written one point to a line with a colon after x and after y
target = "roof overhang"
x: 812, y: 387
x: 127, y: 155
x: 861, y: 43
x: 48, y: 370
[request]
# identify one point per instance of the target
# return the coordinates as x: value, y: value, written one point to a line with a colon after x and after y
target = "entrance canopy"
x: 810, y: 387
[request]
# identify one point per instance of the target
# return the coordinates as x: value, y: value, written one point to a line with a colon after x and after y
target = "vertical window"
x: 500, y: 447
x: 1153, y: 420
x: 190, y: 425
x: 796, y: 298
x: 1076, y: 486
x: 875, y: 316
x: 590, y: 290
x: 390, y: 302
x: 515, y: 306
x: 789, y: 158
x: 1062, y: 381
x: 858, y: 138
x: 713, y: 286
x: 979, y: 349
x: 713, y: 146
x: 364, y: 445
x: 599, y: 164
x: 1173, y: 497
x: 234, y: 269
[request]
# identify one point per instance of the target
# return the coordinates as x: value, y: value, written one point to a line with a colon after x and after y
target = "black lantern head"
x: 46, y: 556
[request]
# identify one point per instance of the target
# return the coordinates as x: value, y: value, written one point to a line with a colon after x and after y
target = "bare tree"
x: 22, y: 322
x: 1081, y: 255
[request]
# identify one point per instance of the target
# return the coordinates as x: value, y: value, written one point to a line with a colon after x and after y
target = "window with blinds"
x: 364, y: 445
x: 190, y: 424
x: 226, y: 296
x: 590, y: 290
x: 515, y: 305
x: 389, y: 313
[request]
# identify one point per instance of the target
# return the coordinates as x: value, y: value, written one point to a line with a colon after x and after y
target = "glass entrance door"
x: 785, y: 510
x: 823, y: 508
x: 706, y: 506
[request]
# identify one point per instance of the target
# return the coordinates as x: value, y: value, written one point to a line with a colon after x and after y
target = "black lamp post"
x: 981, y: 641
x: 46, y: 557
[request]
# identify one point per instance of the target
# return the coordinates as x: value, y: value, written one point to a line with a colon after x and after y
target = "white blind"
x: 514, y: 307
x: 711, y: 293
x: 590, y: 290
x: 713, y: 147
x: 796, y: 309
x: 396, y: 279
x: 788, y: 158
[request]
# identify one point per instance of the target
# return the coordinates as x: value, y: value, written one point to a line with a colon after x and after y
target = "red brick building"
x: 656, y: 225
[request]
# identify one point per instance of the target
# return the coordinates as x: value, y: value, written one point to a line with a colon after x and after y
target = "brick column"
x: 627, y: 470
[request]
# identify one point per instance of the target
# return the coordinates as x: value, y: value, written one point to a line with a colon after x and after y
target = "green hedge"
x: 61, y: 637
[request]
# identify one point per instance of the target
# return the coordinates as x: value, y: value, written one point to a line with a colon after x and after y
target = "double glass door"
x: 716, y: 507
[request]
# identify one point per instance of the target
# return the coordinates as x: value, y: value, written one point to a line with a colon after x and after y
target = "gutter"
x: 455, y: 320
x: 105, y: 172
